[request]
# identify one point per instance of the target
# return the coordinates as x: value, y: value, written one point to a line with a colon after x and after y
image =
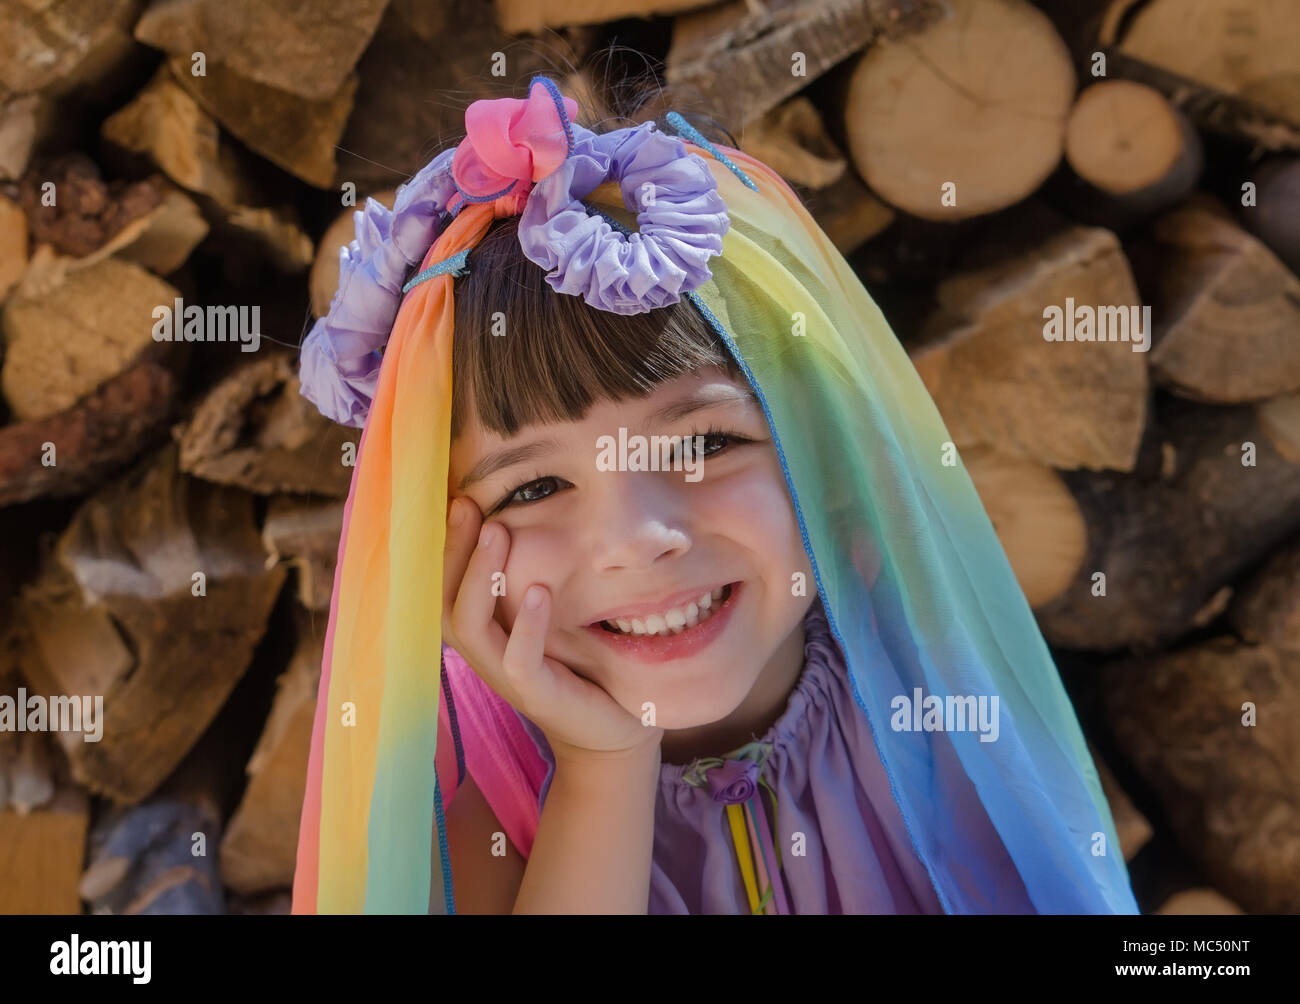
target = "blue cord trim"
x: 559, y: 107
x: 455, y: 727
x: 483, y: 198
x: 685, y: 129
x: 449, y: 898
x: 457, y: 264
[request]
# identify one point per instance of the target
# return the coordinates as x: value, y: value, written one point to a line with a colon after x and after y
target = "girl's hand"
x: 579, y: 719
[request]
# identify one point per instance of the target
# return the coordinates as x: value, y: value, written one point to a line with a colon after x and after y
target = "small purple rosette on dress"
x: 734, y: 782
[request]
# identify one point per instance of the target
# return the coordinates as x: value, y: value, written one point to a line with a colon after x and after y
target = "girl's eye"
x: 534, y: 491
x: 543, y: 488
x: 714, y: 442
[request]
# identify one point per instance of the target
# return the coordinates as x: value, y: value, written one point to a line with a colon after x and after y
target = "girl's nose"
x: 636, y: 521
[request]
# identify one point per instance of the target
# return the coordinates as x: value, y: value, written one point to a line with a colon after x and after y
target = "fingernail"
x: 486, y: 535
x: 457, y: 513
x: 533, y: 598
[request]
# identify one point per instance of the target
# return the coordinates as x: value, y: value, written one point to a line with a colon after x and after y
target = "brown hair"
x: 555, y: 356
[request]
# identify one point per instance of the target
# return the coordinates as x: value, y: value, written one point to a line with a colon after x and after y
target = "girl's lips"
x: 665, y: 648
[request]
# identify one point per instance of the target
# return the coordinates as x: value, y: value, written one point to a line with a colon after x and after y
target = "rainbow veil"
x: 915, y: 584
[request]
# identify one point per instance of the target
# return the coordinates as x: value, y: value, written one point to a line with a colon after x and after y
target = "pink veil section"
x: 496, y: 749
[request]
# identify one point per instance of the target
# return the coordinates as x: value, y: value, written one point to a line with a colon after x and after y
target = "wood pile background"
x: 170, y: 511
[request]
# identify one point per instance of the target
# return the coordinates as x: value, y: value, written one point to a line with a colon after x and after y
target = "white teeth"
x: 673, y: 621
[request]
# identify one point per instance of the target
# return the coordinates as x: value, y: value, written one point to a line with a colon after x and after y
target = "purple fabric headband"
x: 531, y: 150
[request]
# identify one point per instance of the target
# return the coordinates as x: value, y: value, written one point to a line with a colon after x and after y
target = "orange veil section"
x: 371, y: 774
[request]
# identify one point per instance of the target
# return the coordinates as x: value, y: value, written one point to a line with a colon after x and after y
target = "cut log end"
x: 998, y: 381
x: 1232, y: 310
x: 1199, y: 902
x: 1280, y: 419
x: 1036, y: 518
x: 1128, y: 141
x: 947, y: 126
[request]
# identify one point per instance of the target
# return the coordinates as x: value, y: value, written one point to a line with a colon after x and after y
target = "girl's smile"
x: 679, y: 632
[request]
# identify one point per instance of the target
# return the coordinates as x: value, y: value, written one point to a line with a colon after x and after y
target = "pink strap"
x: 499, y: 753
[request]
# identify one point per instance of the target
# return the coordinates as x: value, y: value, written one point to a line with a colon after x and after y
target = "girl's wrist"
x: 608, y: 763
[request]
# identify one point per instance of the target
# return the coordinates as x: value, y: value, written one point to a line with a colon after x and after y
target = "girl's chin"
x: 689, y: 703
x: 686, y: 705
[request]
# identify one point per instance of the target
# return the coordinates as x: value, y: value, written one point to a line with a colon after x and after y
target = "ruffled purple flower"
x: 681, y: 219
x: 340, y: 358
x: 734, y: 782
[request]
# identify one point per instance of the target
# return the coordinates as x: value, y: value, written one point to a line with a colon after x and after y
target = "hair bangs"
x: 523, y: 354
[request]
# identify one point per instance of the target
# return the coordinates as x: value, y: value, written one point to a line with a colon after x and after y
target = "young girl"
x: 718, y: 620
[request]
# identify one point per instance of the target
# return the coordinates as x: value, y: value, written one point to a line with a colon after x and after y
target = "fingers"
x: 462, y: 537
x: 475, y: 550
x: 523, y: 652
x: 471, y: 620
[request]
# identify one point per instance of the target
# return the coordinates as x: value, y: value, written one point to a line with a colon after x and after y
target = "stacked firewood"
x: 1081, y: 218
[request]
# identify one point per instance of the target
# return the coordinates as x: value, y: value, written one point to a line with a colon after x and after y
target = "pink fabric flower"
x: 510, y: 143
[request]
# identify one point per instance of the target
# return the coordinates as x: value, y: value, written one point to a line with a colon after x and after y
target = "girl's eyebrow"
x: 699, y: 401
x: 494, y: 462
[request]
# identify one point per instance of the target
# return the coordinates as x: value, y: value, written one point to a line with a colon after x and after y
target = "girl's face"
x: 616, y: 542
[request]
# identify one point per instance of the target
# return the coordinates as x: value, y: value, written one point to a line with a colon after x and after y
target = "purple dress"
x: 830, y: 787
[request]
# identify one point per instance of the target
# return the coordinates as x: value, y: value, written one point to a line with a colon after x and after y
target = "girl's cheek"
x: 537, y: 555
x: 749, y: 504
x: 755, y: 510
